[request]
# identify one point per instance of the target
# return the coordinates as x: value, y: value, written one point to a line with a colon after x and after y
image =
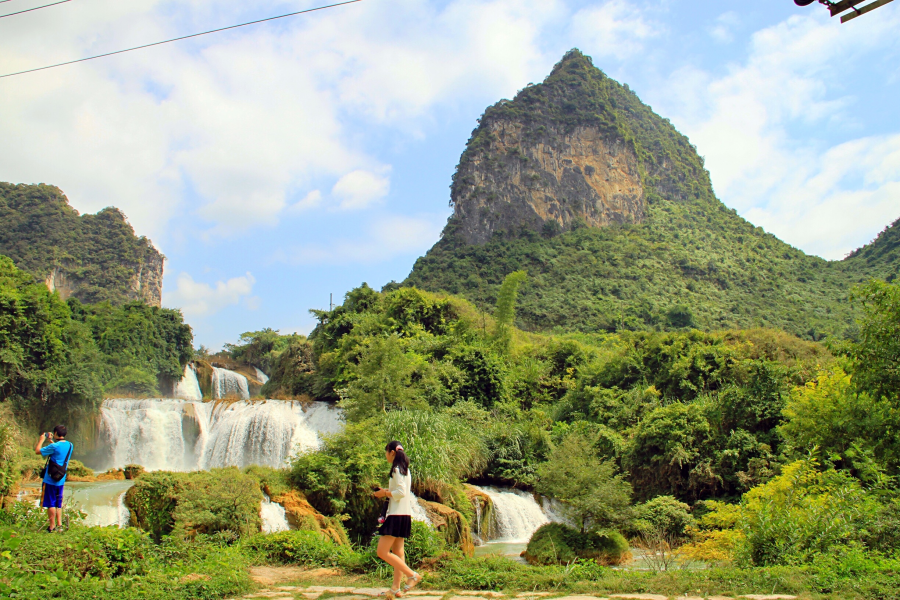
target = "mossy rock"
x: 301, y: 515
x: 556, y: 543
x: 483, y: 506
x: 204, y: 377
x: 451, y: 524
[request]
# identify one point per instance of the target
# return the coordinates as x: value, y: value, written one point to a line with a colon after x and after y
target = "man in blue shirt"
x: 60, y: 451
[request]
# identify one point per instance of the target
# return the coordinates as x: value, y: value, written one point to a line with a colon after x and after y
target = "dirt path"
x: 275, y: 583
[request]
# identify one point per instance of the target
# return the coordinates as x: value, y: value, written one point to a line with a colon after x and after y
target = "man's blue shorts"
x: 51, y: 496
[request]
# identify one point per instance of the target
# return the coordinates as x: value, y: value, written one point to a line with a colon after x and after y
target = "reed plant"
x: 442, y: 450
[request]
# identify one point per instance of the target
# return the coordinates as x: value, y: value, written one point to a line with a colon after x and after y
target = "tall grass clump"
x: 442, y: 450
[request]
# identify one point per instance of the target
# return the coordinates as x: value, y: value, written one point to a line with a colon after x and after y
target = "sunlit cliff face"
x: 547, y: 181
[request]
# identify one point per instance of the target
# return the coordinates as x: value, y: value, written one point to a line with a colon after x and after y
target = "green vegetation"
x: 559, y: 544
x: 188, y: 504
x: 97, y: 258
x: 716, y: 435
x: 691, y: 262
x: 58, y: 358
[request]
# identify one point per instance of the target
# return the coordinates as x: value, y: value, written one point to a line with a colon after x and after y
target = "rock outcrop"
x: 547, y: 182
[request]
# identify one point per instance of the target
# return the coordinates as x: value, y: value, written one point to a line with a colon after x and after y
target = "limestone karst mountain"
x: 91, y: 257
x: 611, y: 212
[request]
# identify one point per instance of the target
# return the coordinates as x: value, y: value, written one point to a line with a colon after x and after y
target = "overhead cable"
x: 184, y: 37
x: 35, y: 8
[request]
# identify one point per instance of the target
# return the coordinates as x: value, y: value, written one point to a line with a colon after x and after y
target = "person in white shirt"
x: 398, y: 523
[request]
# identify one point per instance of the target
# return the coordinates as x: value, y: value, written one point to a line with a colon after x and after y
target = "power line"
x: 184, y: 37
x: 35, y: 8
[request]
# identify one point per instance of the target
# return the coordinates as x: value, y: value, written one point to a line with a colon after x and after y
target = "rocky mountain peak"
x: 578, y: 148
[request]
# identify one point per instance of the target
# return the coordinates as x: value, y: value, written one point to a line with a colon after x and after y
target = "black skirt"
x: 396, y: 526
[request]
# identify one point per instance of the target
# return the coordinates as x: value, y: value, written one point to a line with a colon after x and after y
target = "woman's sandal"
x: 411, y: 582
x: 389, y: 594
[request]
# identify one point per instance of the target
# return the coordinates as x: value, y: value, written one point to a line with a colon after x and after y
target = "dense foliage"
x: 97, y: 257
x: 691, y: 262
x: 58, y: 356
x: 557, y: 543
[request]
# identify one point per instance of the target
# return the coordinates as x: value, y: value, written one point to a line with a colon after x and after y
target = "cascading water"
x: 419, y: 513
x: 262, y: 377
x: 175, y: 435
x: 228, y: 384
x: 262, y: 433
x: 273, y: 516
x: 516, y: 515
x: 189, y: 388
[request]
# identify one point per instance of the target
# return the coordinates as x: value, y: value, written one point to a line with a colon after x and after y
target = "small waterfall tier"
x: 273, y: 515
x: 189, y: 388
x: 228, y: 384
x: 177, y: 435
x: 262, y: 377
x: 419, y: 513
x: 516, y: 515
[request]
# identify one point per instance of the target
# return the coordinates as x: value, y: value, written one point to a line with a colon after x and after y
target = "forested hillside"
x: 618, y: 426
x: 605, y: 256
x: 94, y: 258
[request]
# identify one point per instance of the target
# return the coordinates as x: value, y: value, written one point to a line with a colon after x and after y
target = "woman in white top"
x: 398, y: 522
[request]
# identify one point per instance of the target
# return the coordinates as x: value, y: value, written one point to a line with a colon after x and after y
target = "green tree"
x: 877, y: 353
x: 593, y: 493
x: 831, y: 414
x: 505, y: 311
x: 668, y: 454
x: 382, y: 380
x: 261, y: 348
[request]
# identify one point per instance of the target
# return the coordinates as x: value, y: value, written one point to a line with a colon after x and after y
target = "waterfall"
x: 151, y: 433
x: 228, y: 384
x: 123, y: 515
x: 516, y: 514
x: 419, y: 513
x: 177, y: 435
x: 262, y: 377
x: 273, y: 516
x: 189, y: 388
x: 262, y: 433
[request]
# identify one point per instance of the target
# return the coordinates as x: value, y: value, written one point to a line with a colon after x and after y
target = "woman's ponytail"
x: 401, y: 461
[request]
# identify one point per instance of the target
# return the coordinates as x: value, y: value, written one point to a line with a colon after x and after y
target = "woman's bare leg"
x: 397, y: 549
x: 385, y: 543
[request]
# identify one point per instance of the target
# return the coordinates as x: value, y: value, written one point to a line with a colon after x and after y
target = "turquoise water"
x: 102, y: 501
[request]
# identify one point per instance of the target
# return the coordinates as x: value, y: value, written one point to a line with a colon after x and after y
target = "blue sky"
x: 278, y: 163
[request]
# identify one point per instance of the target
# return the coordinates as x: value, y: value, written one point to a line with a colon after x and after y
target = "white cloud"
x: 723, y: 28
x: 616, y: 28
x: 309, y: 201
x: 198, y: 299
x: 227, y: 127
x: 360, y: 189
x: 745, y: 122
x: 387, y: 237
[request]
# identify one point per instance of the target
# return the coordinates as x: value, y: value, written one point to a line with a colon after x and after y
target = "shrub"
x: 133, y: 471
x: 300, y: 547
x: 103, y: 552
x: 557, y: 543
x: 802, y: 513
x: 663, y: 516
x: 202, y: 502
x: 77, y: 468
x: 8, y: 456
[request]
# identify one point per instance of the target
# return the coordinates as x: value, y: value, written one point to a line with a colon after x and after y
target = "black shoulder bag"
x: 56, y: 471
